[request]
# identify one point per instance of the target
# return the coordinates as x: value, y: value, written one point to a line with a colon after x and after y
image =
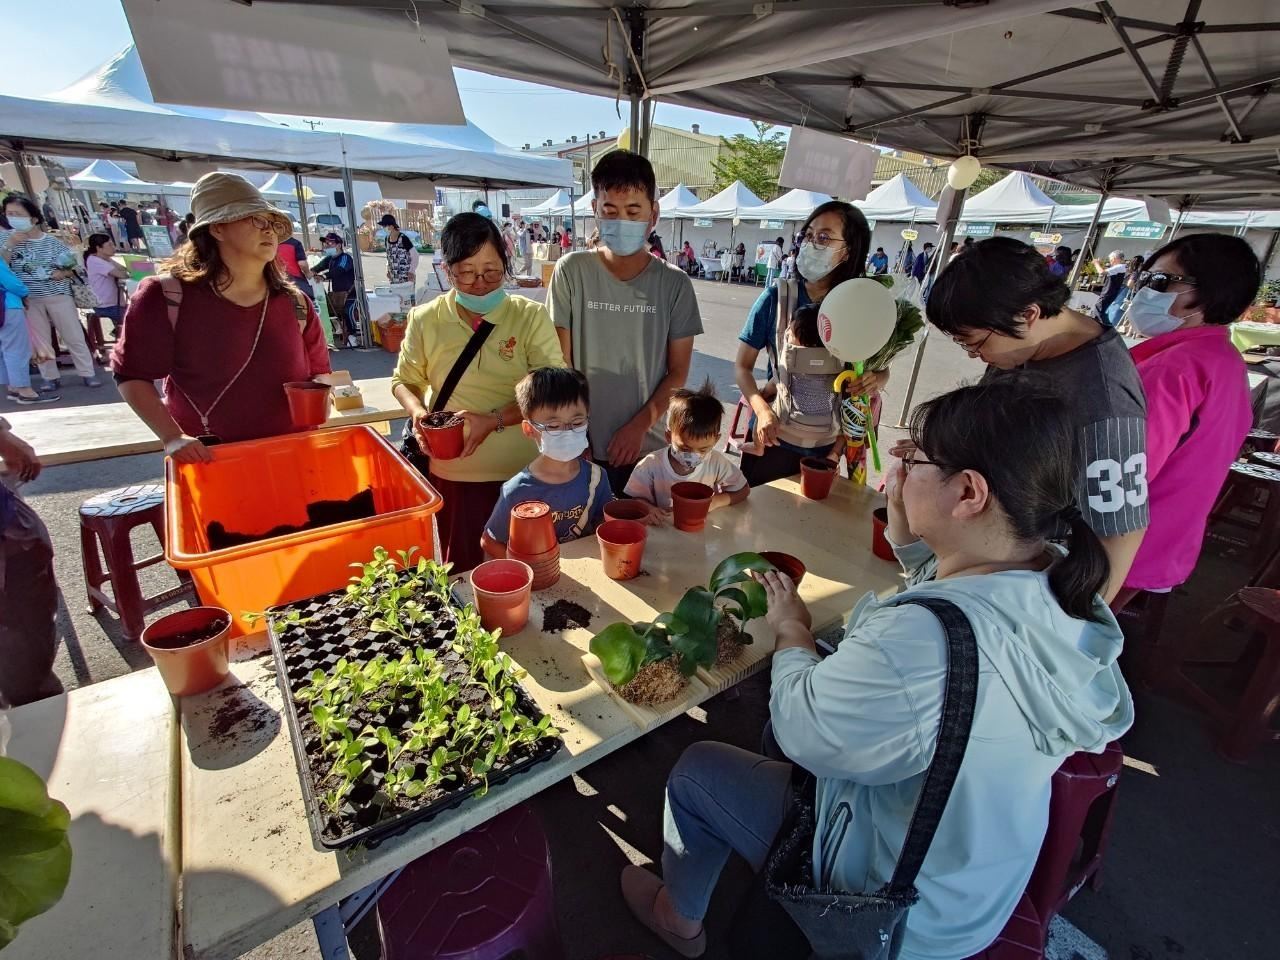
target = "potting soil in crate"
x: 316, y: 640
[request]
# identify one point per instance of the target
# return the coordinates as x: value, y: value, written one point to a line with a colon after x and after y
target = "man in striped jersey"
x: 1002, y: 304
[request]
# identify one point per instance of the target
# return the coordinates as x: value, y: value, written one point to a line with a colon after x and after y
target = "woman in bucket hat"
x: 224, y: 329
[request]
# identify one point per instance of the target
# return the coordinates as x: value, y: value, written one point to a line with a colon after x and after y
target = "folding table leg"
x: 333, y: 923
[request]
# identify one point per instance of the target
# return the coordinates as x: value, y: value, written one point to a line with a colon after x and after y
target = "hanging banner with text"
x: 292, y: 60
x: 701, y: 222
x: 1136, y: 229
x: 828, y: 164
x: 975, y: 229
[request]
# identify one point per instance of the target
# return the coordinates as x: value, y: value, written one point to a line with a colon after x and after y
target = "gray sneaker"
x: 92, y: 382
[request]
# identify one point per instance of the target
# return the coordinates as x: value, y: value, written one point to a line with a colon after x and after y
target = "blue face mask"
x: 330, y: 251
x: 484, y: 211
x: 487, y: 303
x: 624, y: 237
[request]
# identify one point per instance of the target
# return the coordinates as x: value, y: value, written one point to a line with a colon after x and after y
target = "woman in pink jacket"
x: 1198, y: 408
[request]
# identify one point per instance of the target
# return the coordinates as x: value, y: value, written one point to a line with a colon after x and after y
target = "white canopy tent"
x: 733, y: 202
x: 558, y: 199
x: 581, y: 207
x: 105, y: 175
x: 794, y: 205
x: 898, y: 198
x: 675, y: 198
x: 1014, y: 199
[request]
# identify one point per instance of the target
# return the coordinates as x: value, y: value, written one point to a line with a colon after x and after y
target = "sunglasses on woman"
x: 1159, y: 280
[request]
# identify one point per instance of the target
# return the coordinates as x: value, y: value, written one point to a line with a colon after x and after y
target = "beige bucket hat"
x: 225, y: 197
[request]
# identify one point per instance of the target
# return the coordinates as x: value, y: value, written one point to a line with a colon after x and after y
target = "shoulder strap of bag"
x: 460, y: 365
x: 171, y: 286
x: 580, y: 527
x: 958, y: 702
x: 786, y: 301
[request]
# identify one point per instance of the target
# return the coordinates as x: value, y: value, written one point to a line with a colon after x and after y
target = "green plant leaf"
x: 734, y: 569
x: 751, y: 597
x: 621, y: 650
x: 696, y: 645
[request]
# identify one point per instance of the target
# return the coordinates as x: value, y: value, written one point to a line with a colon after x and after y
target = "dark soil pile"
x: 322, y: 513
x: 729, y: 645
x: 188, y: 638
x: 563, y: 614
x: 441, y: 418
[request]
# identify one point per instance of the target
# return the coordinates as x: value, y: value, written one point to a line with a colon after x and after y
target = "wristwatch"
x: 497, y: 414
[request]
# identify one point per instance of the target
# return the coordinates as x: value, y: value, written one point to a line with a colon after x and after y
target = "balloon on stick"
x: 856, y: 319
x: 963, y: 172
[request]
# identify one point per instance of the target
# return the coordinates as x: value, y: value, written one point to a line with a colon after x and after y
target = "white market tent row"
x: 1014, y: 199
x: 734, y: 202
x: 1120, y: 97
x: 105, y: 175
x: 581, y: 207
x: 792, y: 206
x: 675, y: 198
x: 898, y: 198
x: 282, y: 187
x: 112, y: 111
x: 558, y: 199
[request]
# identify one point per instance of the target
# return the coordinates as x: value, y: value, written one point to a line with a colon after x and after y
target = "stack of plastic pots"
x: 532, y: 540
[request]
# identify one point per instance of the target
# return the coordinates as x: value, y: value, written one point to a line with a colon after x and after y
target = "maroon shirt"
x: 209, y: 344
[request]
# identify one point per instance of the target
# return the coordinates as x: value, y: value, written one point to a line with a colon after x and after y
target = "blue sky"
x: 88, y: 32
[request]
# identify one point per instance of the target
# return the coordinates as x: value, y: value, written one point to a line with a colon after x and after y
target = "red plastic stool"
x: 484, y: 896
x: 1022, y: 937
x: 107, y: 520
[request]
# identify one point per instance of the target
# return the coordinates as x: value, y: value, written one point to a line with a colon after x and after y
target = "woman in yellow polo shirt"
x: 522, y: 339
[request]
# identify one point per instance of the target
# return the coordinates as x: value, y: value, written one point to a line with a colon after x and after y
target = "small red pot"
x: 532, y: 529
x: 626, y: 510
x: 444, y: 443
x: 621, y: 547
x: 308, y: 403
x: 545, y: 566
x: 787, y: 564
x: 816, y: 476
x: 691, y: 503
x: 501, y: 589
x: 879, y: 542
x: 193, y: 668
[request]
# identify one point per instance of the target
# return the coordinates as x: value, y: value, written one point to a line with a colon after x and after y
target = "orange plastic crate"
x: 255, y: 485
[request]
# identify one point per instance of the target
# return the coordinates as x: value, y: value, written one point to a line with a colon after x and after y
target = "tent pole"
x: 943, y: 250
x: 1088, y: 239
x: 302, y: 208
x: 634, y: 140
x: 1182, y: 213
x: 362, y: 304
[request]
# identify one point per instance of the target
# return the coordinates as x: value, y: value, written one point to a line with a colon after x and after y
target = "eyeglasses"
x: 821, y: 239
x: 973, y: 349
x: 909, y: 462
x: 468, y: 277
x: 579, y: 423
x: 1159, y: 280
x: 278, y: 227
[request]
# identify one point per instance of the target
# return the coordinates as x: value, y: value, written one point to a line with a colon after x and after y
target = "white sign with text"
x: 828, y: 163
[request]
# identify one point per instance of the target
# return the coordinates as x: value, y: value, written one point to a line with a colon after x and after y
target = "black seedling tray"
x: 318, y: 645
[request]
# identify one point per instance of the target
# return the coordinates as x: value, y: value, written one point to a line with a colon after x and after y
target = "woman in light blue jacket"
x: 985, y: 483
x: 15, y: 341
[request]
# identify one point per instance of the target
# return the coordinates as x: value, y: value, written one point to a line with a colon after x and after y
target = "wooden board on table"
x: 108, y: 752
x: 646, y: 718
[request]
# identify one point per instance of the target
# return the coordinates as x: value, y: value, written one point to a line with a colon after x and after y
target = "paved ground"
x: 1192, y: 868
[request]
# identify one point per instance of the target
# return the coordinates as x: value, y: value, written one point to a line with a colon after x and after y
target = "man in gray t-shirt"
x: 625, y: 319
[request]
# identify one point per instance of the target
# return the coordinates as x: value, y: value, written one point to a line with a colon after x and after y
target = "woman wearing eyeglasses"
x: 834, y: 246
x: 1198, y: 405
x: 517, y: 338
x: 225, y: 329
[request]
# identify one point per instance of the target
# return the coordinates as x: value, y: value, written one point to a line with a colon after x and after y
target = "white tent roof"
x: 1014, y: 199
x: 734, y: 200
x: 898, y: 199
x: 1076, y: 93
x: 112, y: 110
x: 794, y: 205
x: 558, y: 199
x: 581, y: 207
x: 675, y: 198
x: 105, y: 175
x: 282, y: 187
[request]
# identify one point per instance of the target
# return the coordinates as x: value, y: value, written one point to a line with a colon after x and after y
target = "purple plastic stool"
x: 484, y: 896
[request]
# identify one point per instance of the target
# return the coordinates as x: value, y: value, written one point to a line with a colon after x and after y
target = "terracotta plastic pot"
x: 502, y: 589
x: 189, y: 668
x: 545, y: 566
x: 626, y: 510
x: 621, y: 547
x: 816, y: 476
x: 444, y: 443
x: 532, y: 529
x: 691, y: 502
x: 308, y: 403
x: 879, y: 542
x: 786, y: 563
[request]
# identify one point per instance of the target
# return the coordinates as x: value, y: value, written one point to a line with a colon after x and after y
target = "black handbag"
x: 784, y: 917
x: 410, y: 449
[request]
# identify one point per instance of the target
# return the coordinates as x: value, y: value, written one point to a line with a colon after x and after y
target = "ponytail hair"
x: 1020, y: 437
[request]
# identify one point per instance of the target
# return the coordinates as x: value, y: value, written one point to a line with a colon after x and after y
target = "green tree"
x: 986, y: 178
x: 756, y: 161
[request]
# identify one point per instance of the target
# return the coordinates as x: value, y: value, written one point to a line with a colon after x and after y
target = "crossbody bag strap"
x: 958, y: 703
x: 786, y: 298
x: 460, y: 365
x: 580, y: 527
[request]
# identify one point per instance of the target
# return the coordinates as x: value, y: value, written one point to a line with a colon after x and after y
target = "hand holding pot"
x: 785, y: 604
x: 476, y: 429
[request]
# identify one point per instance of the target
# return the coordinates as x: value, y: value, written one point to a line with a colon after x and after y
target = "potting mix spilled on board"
x: 402, y: 705
x: 563, y: 614
x: 322, y: 513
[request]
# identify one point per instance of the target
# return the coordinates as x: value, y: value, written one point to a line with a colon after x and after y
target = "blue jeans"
x: 15, y: 349
x: 720, y: 798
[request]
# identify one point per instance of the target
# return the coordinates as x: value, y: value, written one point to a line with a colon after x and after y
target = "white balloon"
x: 856, y: 319
x: 962, y: 172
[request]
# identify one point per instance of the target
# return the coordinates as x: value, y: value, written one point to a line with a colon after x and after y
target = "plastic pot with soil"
x: 817, y: 474
x: 399, y: 702
x: 190, y: 649
x: 442, y: 432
